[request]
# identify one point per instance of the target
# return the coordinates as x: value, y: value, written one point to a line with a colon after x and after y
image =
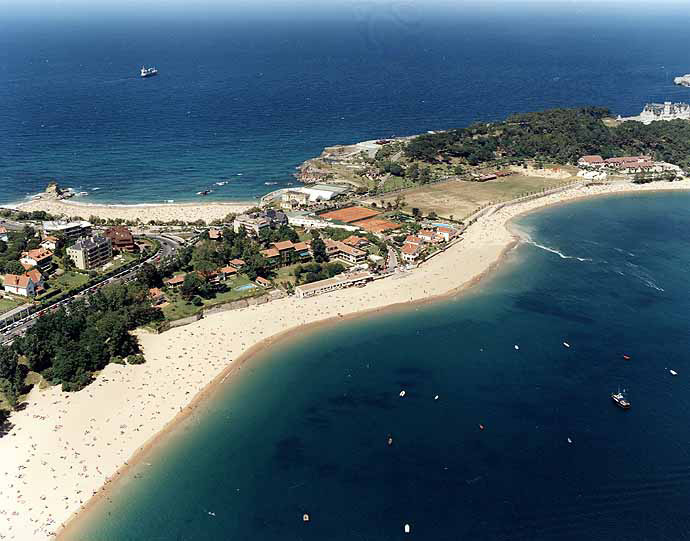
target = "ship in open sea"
x: 148, y: 72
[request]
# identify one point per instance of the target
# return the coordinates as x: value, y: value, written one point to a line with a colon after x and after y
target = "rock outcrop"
x: 684, y: 80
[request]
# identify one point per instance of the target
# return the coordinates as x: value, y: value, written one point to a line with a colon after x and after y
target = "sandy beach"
x: 63, y: 448
x: 187, y: 212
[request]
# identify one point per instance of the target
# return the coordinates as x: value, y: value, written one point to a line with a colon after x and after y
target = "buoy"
x: 407, y: 528
x: 305, y: 517
x: 517, y: 347
x: 626, y: 357
x: 402, y: 393
x: 566, y: 344
x: 481, y: 427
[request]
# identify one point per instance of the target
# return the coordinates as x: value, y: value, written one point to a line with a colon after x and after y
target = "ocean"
x: 304, y: 427
x: 244, y: 100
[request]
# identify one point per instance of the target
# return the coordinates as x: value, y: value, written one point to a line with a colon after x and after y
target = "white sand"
x: 187, y: 212
x: 63, y: 447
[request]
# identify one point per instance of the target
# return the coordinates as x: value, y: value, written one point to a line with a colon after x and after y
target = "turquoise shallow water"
x: 304, y: 428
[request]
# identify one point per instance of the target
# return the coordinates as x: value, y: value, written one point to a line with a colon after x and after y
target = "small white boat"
x: 566, y: 344
x: 570, y: 441
x: 407, y: 528
x: 436, y: 397
x: 402, y: 393
x: 516, y: 347
x: 673, y: 372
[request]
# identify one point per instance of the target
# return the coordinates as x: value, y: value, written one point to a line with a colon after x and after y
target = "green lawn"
x: 8, y: 304
x: 179, y: 308
x: 69, y: 280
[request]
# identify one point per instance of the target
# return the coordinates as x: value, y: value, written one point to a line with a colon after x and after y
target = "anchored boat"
x: 620, y: 400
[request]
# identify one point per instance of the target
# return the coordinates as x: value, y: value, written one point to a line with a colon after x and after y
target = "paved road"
x: 168, y: 247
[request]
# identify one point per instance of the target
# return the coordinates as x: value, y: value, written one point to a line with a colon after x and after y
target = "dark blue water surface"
x: 247, y: 99
x: 304, y: 428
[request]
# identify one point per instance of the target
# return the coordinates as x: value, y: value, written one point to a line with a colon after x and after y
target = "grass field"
x: 8, y: 304
x: 460, y: 198
x: 69, y: 280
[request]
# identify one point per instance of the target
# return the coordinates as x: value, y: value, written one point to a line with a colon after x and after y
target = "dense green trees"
x: 318, y: 249
x: 12, y: 375
x: 67, y: 346
x: 558, y: 135
x: 313, y: 272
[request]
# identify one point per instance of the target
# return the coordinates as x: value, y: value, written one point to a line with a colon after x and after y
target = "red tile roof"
x: 410, y: 249
x: 39, y: 254
x: 270, y: 252
x: 301, y: 246
x: 237, y: 262
x: 229, y: 270
x: 16, y: 280
x: 283, y: 245
x: 175, y: 280
x: 263, y: 281
x: 35, y: 275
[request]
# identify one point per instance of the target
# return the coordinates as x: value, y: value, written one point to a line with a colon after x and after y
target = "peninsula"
x: 424, y: 217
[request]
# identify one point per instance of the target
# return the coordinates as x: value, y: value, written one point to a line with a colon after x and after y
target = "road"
x: 167, y: 248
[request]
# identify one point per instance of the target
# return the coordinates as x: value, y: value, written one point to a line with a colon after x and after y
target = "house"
x: 157, y: 296
x: 237, y: 263
x: 175, y: 281
x: 19, y: 284
x: 302, y: 250
x: 447, y: 233
x: 590, y: 161
x: 332, y: 284
x: 91, y: 253
x: 410, y: 252
x: 266, y: 284
x: 121, y: 238
x: 36, y: 278
x: 285, y: 248
x: 350, y: 254
x: 39, y: 257
x: 271, y: 255
x: 68, y: 230
x: 227, y: 272
x: 215, y: 234
x: 4, y: 234
x: 415, y: 240
x: 356, y: 241
x: 49, y: 243
x: 427, y: 235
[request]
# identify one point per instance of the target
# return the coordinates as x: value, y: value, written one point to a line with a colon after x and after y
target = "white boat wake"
x: 554, y: 251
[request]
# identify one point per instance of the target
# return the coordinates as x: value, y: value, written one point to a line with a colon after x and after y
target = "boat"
x: 626, y: 357
x: 620, y: 400
x: 148, y: 72
x: 566, y: 344
x: 204, y: 192
x: 673, y: 372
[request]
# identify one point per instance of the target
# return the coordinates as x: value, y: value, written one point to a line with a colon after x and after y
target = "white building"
x: 67, y: 230
x: 19, y: 284
x: 332, y: 284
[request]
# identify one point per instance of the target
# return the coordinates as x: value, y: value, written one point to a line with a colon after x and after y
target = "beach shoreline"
x: 142, y: 212
x: 485, y: 246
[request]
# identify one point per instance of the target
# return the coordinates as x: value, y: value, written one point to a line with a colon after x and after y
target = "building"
x: 157, y: 296
x: 67, y: 230
x: 294, y: 199
x: 332, y: 284
x: 271, y: 255
x: 356, y: 241
x: 302, y: 219
x: 175, y: 281
x: 237, y: 263
x: 653, y: 112
x: 4, y: 234
x: 427, y: 235
x: 39, y: 257
x: 266, y: 284
x: 227, y: 272
x: 49, y: 243
x: 590, y: 161
x: 91, y: 252
x: 447, y: 233
x: 410, y: 252
x: 215, y: 234
x: 336, y: 249
x: 19, y: 284
x: 121, y: 238
x: 255, y: 223
x: 415, y: 240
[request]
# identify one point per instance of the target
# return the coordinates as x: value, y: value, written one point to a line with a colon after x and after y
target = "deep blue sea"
x: 304, y: 427
x: 247, y: 99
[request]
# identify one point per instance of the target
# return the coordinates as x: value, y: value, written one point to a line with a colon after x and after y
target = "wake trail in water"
x: 554, y: 250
